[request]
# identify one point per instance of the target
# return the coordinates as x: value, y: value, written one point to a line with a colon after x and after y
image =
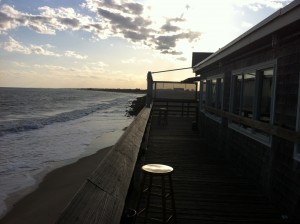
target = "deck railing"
x: 179, y: 99
x: 102, y: 197
x: 179, y: 108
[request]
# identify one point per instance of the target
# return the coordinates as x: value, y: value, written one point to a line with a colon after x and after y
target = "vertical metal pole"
x: 149, y: 89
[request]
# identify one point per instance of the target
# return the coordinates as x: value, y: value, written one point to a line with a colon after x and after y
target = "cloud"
x: 170, y: 28
x: 135, y: 60
x: 47, y: 22
x: 51, y: 67
x: 9, y: 18
x: 135, y: 36
x: 126, y: 7
x: 246, y: 24
x: 129, y: 21
x: 117, y: 21
x: 75, y: 70
x: 257, y: 5
x: 92, y: 68
x: 182, y: 59
x: 14, y: 46
x: 39, y: 50
x: 140, y: 29
x: 165, y: 43
x: 70, y: 22
x: 132, y: 27
x: 72, y: 54
x: 134, y: 8
x: 125, y: 19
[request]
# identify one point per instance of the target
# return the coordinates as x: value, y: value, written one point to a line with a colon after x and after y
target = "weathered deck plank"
x: 207, y: 188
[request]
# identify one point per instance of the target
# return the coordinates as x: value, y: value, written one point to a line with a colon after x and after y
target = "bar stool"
x: 152, y: 173
x: 163, y: 116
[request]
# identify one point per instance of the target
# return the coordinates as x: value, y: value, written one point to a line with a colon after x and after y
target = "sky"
x: 114, y: 43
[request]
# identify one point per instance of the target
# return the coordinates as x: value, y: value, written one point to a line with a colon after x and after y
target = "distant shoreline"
x: 117, y: 90
x: 138, y: 91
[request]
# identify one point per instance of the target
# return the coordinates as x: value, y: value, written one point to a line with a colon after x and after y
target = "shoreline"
x: 46, y: 202
x: 137, y: 91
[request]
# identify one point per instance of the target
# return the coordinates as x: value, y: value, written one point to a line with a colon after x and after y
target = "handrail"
x: 276, y: 130
x: 101, y: 199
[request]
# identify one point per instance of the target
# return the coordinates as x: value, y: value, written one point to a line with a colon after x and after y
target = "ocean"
x: 44, y: 129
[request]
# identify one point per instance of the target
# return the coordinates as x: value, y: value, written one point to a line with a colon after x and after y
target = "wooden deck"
x: 207, y: 188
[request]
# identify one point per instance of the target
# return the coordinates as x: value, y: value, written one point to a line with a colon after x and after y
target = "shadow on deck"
x: 207, y: 187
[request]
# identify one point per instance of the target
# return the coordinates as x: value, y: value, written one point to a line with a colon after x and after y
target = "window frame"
x: 297, y: 146
x: 250, y: 132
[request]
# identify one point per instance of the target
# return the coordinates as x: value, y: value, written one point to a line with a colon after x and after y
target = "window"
x: 211, y: 92
x: 264, y: 95
x: 214, y: 92
x: 297, y: 146
x: 243, y: 95
x: 202, y: 95
x: 252, y: 97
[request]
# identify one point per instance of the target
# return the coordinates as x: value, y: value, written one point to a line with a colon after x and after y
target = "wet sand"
x: 46, y: 203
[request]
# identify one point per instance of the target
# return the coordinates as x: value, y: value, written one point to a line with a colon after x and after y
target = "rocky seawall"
x: 136, y: 106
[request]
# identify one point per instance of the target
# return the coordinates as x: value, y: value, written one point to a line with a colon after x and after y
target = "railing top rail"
x: 174, y: 82
x: 175, y: 100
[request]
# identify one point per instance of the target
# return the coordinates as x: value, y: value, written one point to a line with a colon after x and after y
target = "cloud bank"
x: 14, y: 46
x: 126, y: 19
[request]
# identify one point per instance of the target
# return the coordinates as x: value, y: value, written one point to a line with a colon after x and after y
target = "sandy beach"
x: 46, y: 203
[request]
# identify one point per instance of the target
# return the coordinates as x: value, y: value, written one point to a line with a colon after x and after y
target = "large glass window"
x: 252, y: 96
x: 297, y: 146
x: 202, y: 95
x: 214, y: 92
x: 244, y: 94
x: 220, y: 90
x: 265, y: 78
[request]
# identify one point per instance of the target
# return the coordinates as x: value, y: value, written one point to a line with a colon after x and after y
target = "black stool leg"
x: 172, y: 198
x: 148, y: 199
x: 159, y: 116
x: 163, y: 201
x: 142, y: 186
x: 166, y: 117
